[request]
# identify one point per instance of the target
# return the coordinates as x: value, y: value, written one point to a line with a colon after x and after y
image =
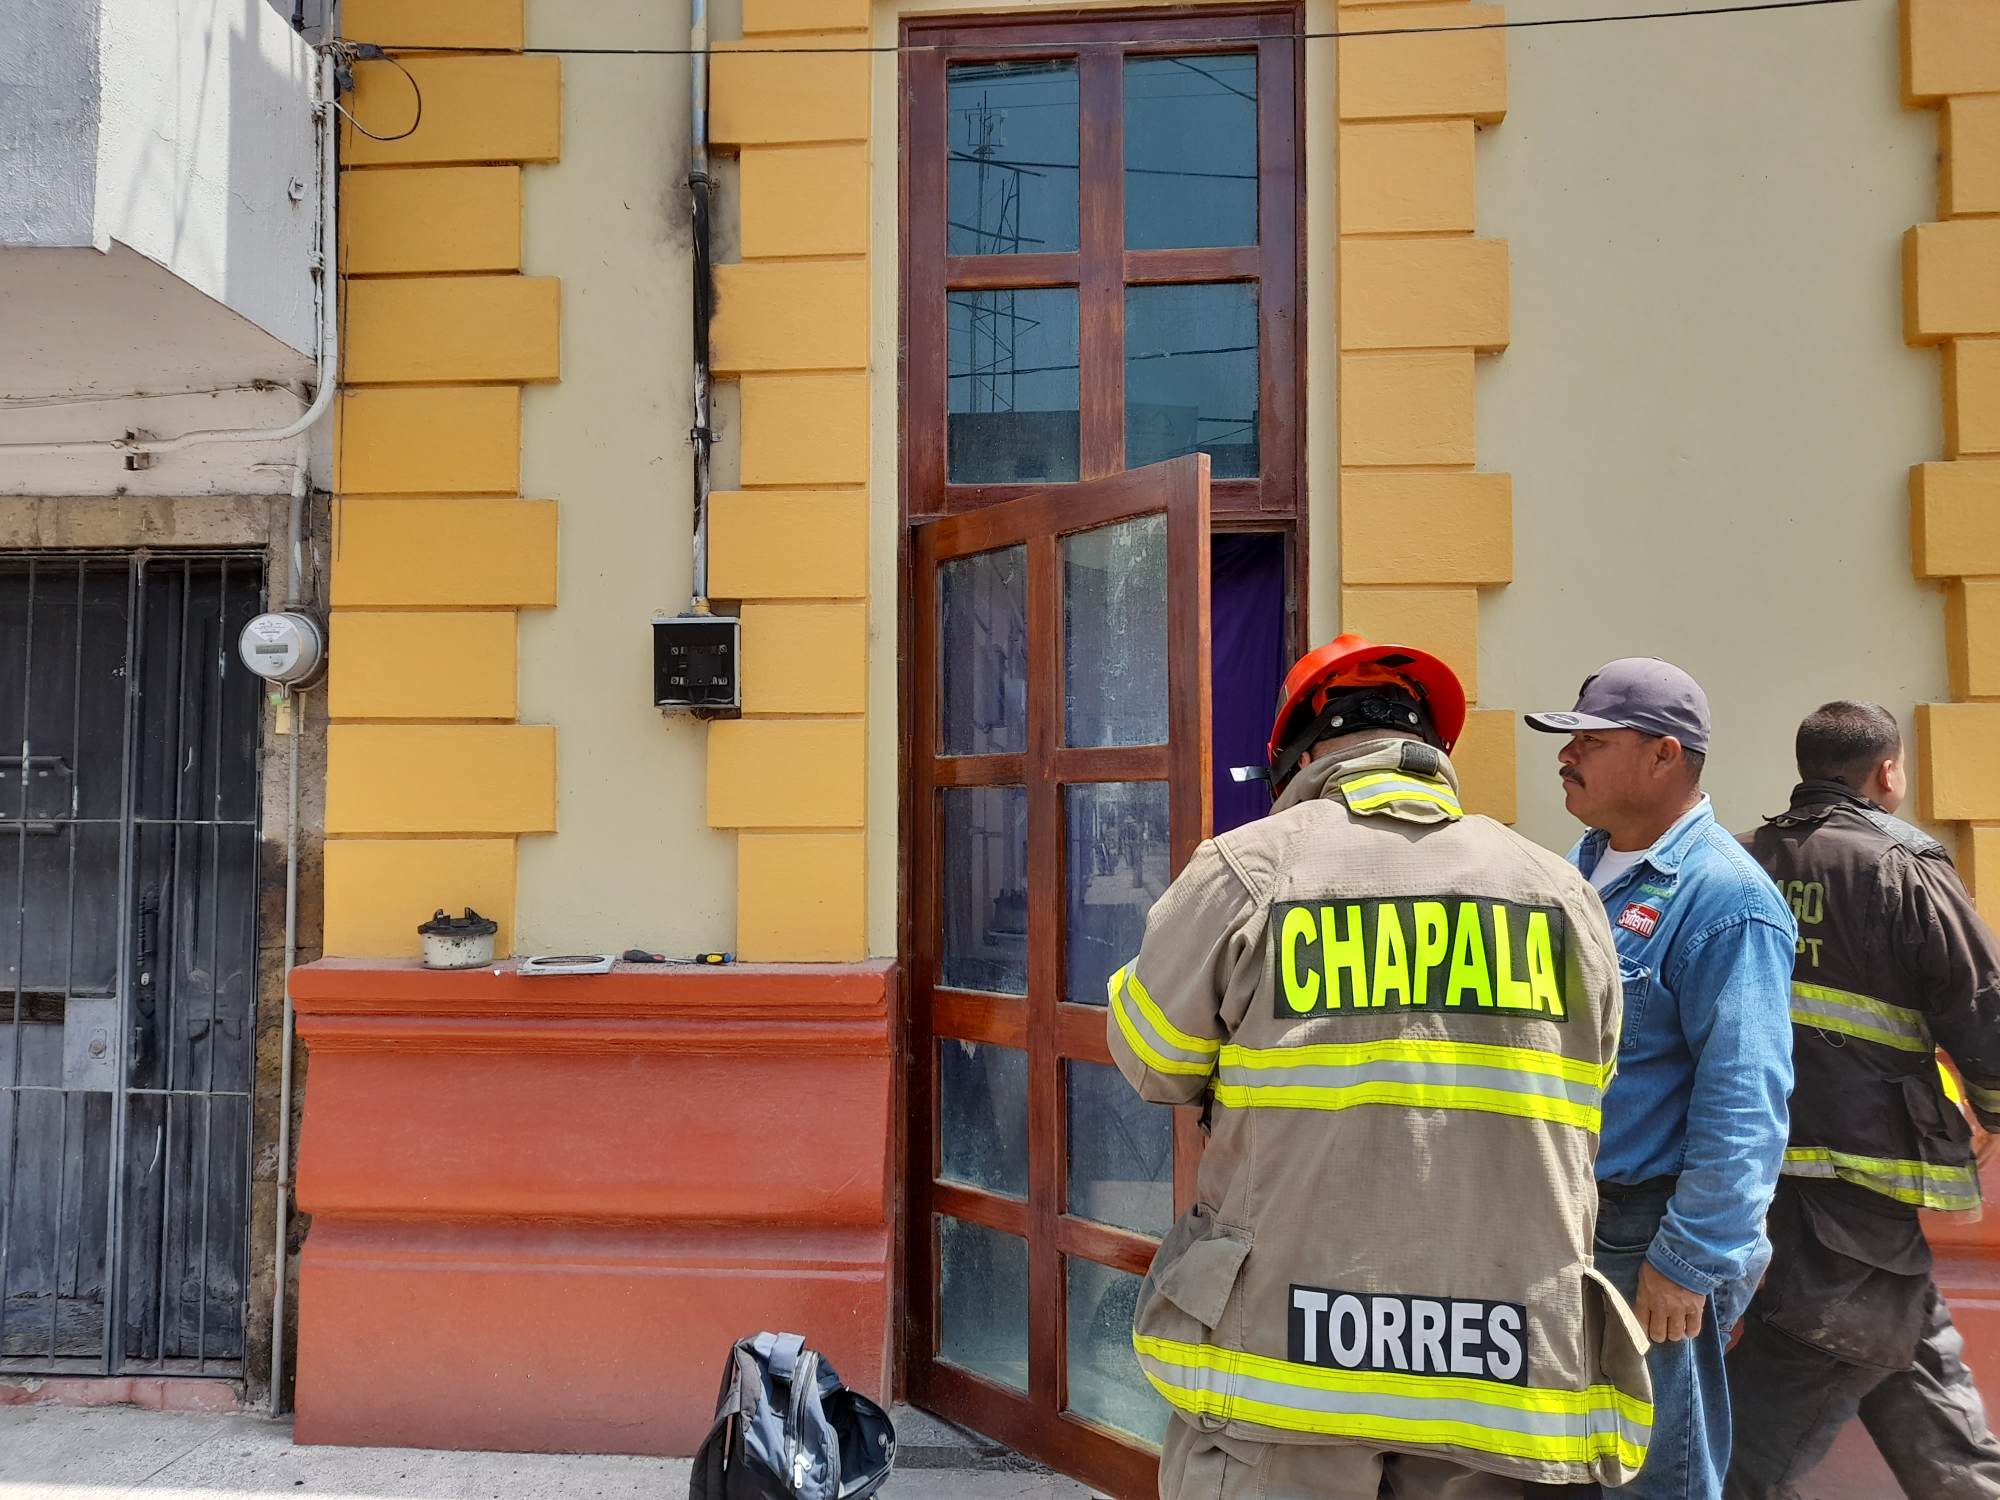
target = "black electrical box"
x: 694, y: 662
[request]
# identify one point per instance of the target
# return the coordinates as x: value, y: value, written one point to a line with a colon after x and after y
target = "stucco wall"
x: 206, y: 124
x: 1707, y: 407
x: 48, y: 122
x: 634, y: 862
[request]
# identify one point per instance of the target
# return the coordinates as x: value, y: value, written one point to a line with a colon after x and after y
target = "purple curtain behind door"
x: 1247, y: 664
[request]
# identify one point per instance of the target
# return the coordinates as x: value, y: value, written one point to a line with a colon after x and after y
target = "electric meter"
x: 282, y: 648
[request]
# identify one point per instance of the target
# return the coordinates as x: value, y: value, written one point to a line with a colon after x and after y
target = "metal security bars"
x: 129, y: 736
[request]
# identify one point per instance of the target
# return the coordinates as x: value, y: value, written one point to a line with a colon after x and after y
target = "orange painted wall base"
x: 543, y: 1208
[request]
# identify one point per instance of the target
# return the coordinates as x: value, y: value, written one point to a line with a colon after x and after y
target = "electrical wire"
x: 739, y: 50
x: 349, y: 52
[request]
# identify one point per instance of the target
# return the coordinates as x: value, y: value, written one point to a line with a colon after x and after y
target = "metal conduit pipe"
x: 700, y: 200
x: 297, y: 702
x: 328, y: 363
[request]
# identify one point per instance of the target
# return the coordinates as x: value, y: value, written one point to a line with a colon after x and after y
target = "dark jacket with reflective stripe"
x: 1893, y: 961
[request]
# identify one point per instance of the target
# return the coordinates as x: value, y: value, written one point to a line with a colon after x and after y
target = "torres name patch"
x: 1447, y: 953
x: 1420, y: 1335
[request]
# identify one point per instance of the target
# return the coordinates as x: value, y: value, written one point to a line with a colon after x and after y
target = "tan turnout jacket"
x: 1403, y: 1020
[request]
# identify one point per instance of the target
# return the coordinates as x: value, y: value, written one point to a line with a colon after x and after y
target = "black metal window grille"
x: 129, y: 749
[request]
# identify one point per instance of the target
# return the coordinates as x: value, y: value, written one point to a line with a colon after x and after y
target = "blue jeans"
x: 1689, y: 1452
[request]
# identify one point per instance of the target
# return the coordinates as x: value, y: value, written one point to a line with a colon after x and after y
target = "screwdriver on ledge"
x: 641, y: 956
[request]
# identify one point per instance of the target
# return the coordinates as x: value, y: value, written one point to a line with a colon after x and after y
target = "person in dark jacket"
x: 1893, y: 962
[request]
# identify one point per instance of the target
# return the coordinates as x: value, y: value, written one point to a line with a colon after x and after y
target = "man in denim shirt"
x: 1695, y: 1124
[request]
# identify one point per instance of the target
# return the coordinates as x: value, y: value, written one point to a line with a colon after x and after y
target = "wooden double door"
x: 1060, y: 767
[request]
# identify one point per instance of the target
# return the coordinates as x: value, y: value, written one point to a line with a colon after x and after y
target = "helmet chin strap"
x: 1353, y: 712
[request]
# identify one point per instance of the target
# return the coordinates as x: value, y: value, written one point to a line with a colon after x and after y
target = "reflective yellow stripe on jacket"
x: 1486, y: 1416
x: 1161, y: 1045
x: 1860, y: 1016
x: 1416, y: 1073
x: 1923, y: 1183
x: 1372, y: 792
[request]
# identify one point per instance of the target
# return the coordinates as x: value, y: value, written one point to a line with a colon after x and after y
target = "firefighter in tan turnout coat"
x: 1402, y: 1020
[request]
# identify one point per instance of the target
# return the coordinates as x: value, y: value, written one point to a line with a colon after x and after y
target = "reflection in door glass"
x: 983, y: 653
x: 1011, y: 386
x: 983, y: 896
x: 983, y: 1116
x: 1104, y: 1380
x: 1118, y: 863
x: 983, y: 1302
x: 1012, y: 139
x: 1191, y: 376
x: 1121, y: 1151
x: 1114, y: 591
x: 1190, y: 151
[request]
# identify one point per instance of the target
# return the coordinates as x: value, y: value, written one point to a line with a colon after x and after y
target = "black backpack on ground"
x: 787, y: 1429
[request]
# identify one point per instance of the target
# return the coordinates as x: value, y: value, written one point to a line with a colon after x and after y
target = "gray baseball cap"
x: 1636, y: 692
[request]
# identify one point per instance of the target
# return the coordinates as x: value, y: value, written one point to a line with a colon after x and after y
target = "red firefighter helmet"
x: 1350, y: 662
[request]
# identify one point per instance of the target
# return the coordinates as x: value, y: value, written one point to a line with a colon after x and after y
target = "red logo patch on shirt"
x: 1639, y: 919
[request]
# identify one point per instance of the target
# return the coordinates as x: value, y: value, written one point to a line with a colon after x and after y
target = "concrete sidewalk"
x: 66, y: 1453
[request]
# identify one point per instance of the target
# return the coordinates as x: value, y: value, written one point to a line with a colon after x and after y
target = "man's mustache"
x: 1570, y: 776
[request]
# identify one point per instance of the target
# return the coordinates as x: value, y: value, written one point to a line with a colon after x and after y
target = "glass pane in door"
x: 983, y: 895
x: 1114, y: 605
x: 1104, y: 1380
x: 1118, y: 863
x: 983, y: 1301
x: 1121, y: 1151
x: 983, y: 1116
x: 983, y: 653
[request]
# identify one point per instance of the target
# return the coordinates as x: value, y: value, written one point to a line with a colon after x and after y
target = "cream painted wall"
x: 1707, y: 407
x: 634, y: 862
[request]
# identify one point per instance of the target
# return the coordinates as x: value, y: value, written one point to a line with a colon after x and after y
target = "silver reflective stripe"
x: 1860, y: 1016
x: 1158, y: 1043
x: 1376, y: 790
x: 1923, y: 1184
x: 1456, y: 1411
x: 1438, y: 1075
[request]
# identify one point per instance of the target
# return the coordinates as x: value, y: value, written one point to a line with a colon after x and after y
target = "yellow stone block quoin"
x: 1958, y: 750
x: 1971, y: 396
x: 1444, y: 622
x: 1425, y: 293
x: 442, y: 329
x: 767, y: 99
x: 770, y: 544
x: 801, y: 897
x: 1428, y: 75
x: 805, y: 658
x: 1955, y: 518
x: 1950, y: 283
x: 791, y: 315
x: 440, y: 778
x: 435, y: 439
x: 1484, y: 760
x: 786, y: 773
x: 805, y: 429
x: 1406, y: 177
x: 476, y: 109
x: 1406, y: 410
x: 1979, y: 864
x: 804, y: 200
x: 1972, y: 639
x: 1435, y: 527
x: 378, y: 891
x: 430, y: 219
x: 431, y: 551
x: 763, y: 16
x: 421, y: 664
x: 1969, y: 174
x: 1950, y: 47
x: 494, y: 24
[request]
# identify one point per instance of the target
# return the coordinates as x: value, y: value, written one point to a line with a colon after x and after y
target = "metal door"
x: 128, y: 961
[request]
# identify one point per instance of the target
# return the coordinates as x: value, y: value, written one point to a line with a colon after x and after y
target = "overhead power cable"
x: 740, y: 50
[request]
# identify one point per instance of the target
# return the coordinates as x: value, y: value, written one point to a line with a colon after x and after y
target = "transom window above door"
x: 1102, y: 266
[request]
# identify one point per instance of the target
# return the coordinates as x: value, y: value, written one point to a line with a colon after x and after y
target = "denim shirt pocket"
x: 1636, y: 980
